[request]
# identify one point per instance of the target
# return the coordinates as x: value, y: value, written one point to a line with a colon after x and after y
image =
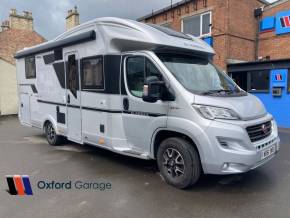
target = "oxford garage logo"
x: 19, y: 185
x: 285, y: 21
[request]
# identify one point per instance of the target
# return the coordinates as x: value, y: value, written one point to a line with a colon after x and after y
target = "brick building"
x: 251, y: 39
x: 16, y: 34
x: 229, y: 25
x: 274, y: 44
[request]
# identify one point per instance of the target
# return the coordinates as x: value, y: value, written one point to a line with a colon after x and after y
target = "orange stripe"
x: 19, y: 185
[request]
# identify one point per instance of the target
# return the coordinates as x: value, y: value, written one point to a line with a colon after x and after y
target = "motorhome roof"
x: 123, y: 35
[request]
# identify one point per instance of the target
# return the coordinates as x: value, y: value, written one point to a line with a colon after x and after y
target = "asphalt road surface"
x: 137, y: 190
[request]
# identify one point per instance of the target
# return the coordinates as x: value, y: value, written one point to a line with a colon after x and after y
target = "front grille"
x: 259, y: 132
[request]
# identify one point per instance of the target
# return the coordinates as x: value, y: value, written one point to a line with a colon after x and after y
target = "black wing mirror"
x: 154, y: 90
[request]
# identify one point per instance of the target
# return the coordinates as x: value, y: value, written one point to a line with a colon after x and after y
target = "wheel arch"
x: 51, y: 120
x: 163, y: 134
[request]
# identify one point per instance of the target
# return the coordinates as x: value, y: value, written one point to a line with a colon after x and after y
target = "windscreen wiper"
x: 217, y: 91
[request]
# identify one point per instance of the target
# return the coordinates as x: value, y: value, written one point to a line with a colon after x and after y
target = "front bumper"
x: 231, y: 150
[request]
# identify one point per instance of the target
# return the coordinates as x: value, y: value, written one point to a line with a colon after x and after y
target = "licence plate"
x: 268, y: 152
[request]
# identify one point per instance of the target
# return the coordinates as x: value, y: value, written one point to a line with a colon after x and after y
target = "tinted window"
x: 135, y: 75
x: 72, y: 75
x: 151, y: 70
x: 241, y: 79
x: 93, y: 75
x: 137, y: 69
x: 259, y: 80
x: 30, y: 70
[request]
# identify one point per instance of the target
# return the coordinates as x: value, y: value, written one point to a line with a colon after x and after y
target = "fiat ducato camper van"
x: 148, y: 92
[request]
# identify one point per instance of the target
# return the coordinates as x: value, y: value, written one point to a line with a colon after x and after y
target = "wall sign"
x: 279, y: 78
x: 283, y: 22
x: 267, y: 24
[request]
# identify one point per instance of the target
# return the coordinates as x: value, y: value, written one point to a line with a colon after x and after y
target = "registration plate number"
x: 268, y: 152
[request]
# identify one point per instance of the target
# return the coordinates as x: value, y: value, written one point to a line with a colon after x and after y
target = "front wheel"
x: 178, y: 162
x: 51, y: 136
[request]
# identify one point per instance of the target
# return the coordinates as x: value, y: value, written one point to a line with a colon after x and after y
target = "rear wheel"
x: 178, y: 162
x: 51, y: 136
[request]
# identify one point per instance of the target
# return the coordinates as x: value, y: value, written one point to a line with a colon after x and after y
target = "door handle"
x: 68, y: 99
x: 126, y: 104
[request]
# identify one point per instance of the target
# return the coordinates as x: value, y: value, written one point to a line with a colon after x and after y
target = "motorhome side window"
x: 30, y: 69
x: 93, y: 74
x: 137, y: 69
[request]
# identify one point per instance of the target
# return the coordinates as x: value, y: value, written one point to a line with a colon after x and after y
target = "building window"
x: 197, y: 25
x: 93, y: 73
x: 30, y: 69
x: 258, y: 81
x: 241, y: 79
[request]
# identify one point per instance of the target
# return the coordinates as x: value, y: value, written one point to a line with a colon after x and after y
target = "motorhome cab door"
x: 140, y: 119
x: 73, y: 97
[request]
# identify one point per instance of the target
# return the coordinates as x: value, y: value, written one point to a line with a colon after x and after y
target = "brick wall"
x: 270, y: 44
x: 219, y: 31
x: 242, y: 29
x: 234, y: 26
x: 219, y: 11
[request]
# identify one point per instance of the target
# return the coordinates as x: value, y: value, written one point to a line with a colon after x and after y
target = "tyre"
x: 178, y: 162
x: 51, y: 136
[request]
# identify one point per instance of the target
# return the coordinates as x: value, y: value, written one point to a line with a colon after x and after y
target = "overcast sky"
x: 49, y: 15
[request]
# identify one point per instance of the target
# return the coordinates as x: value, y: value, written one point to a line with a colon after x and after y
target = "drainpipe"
x: 258, y: 12
x: 227, y: 31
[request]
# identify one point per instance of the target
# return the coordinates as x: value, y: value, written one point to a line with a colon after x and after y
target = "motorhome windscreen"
x: 170, y: 32
x: 200, y: 76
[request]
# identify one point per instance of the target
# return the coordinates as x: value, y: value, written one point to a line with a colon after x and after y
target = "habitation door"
x: 73, y: 97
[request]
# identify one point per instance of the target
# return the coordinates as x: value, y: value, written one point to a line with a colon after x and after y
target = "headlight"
x: 274, y: 124
x: 210, y: 112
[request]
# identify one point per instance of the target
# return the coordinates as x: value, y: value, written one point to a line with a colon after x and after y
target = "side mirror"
x: 154, y: 90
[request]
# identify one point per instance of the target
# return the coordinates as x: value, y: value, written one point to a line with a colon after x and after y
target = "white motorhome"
x: 147, y: 92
